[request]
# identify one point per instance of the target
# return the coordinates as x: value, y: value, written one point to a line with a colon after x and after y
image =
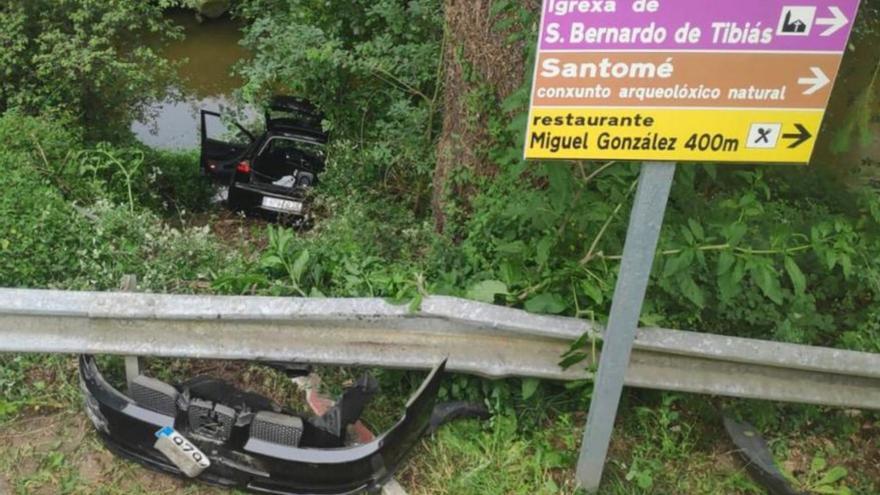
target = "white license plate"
x: 187, y: 457
x: 283, y: 205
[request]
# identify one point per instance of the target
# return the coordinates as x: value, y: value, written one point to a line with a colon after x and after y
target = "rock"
x: 212, y: 9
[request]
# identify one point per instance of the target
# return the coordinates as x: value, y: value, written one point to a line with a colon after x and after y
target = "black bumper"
x: 249, y: 197
x: 242, y: 454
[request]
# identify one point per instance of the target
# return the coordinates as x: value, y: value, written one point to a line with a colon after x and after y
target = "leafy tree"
x: 86, y: 58
x: 373, y: 66
x: 751, y: 252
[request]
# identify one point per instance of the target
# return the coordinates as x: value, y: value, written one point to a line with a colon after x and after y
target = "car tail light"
x: 244, y: 167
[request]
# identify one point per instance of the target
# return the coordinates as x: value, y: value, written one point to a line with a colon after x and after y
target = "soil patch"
x: 234, y: 229
x: 60, y: 453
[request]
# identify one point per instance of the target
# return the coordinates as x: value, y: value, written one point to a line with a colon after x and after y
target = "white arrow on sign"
x: 834, y: 23
x: 817, y: 82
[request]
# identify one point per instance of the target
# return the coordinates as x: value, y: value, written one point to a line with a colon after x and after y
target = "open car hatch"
x: 292, y: 112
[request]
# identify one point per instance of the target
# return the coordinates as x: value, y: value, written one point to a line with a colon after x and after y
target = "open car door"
x: 220, y: 153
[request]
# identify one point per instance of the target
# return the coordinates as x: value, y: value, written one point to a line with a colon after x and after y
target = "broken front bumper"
x: 255, y: 450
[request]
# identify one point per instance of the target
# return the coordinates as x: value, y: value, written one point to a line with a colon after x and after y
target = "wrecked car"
x: 273, y: 174
x: 208, y: 430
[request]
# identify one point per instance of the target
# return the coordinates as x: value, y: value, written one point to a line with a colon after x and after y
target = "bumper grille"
x: 211, y: 420
x: 276, y: 428
x: 154, y: 395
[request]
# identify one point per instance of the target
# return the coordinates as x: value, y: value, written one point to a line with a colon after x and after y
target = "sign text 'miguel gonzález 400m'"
x: 685, y: 80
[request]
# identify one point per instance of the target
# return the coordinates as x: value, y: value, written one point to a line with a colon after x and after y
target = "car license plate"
x: 187, y: 457
x: 283, y: 205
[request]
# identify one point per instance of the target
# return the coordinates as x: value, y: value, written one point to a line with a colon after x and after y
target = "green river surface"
x: 208, y: 54
x: 212, y: 48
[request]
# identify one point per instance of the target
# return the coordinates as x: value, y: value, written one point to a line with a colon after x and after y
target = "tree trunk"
x: 482, y: 69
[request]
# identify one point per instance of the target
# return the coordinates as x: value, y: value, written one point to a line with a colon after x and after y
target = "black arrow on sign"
x: 802, y: 137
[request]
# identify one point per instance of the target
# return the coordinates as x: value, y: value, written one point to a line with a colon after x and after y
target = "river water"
x: 208, y: 55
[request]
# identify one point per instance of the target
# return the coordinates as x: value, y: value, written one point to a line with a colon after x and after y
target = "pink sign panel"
x: 712, y: 25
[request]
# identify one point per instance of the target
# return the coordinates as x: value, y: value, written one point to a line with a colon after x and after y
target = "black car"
x: 270, y: 175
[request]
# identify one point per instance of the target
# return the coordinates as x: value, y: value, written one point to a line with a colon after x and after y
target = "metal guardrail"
x: 479, y: 339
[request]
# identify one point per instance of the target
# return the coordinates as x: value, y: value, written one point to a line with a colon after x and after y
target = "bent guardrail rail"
x: 481, y: 339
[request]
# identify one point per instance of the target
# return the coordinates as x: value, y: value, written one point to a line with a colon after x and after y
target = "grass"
x: 494, y: 458
x: 663, y: 443
x: 62, y: 455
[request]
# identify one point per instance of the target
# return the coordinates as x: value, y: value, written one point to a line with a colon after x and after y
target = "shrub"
x: 84, y: 58
x: 60, y: 227
x: 372, y: 66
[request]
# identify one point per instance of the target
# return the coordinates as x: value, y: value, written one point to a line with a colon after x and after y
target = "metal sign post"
x: 645, y: 223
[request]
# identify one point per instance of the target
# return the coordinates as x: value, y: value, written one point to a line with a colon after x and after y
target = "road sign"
x: 685, y: 80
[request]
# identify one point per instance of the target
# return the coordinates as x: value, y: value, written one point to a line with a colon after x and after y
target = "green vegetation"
x: 69, y: 212
x: 374, y: 67
x: 756, y: 252
x: 66, y: 58
x: 780, y: 254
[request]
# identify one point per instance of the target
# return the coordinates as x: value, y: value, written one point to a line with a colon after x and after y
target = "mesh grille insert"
x: 154, y: 395
x: 277, y: 428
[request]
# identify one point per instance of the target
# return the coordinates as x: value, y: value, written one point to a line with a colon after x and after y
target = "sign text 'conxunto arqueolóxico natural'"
x: 685, y: 80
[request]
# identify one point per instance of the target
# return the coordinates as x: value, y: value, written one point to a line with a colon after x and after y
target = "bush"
x: 365, y: 249
x: 171, y: 183
x: 69, y: 226
x: 82, y: 58
x: 372, y: 66
x: 40, y: 233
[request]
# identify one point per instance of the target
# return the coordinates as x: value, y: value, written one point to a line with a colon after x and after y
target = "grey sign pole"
x: 645, y: 223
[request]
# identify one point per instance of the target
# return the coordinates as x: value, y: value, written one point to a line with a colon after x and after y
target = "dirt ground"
x: 234, y: 229
x: 56, y: 451
x: 60, y: 453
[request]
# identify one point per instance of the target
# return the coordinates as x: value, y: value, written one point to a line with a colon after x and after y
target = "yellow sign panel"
x: 748, y: 136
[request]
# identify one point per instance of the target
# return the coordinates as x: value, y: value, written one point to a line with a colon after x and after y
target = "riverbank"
x: 211, y: 9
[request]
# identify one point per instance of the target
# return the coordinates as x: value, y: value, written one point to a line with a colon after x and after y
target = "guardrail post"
x: 133, y: 364
x: 645, y: 224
